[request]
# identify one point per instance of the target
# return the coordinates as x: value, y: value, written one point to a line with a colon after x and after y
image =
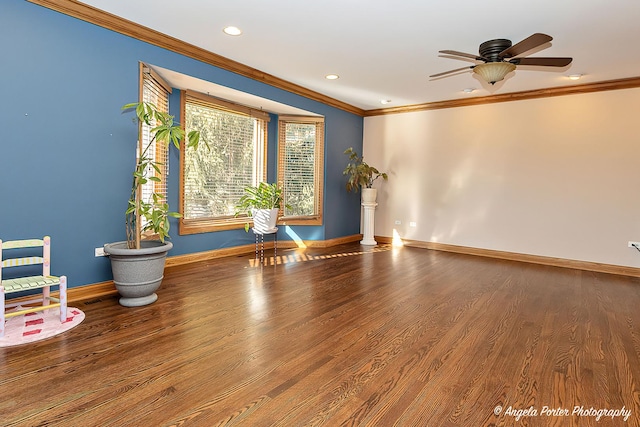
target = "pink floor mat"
x: 38, y: 326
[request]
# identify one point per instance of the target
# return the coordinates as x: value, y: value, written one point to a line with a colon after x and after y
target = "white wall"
x: 557, y: 177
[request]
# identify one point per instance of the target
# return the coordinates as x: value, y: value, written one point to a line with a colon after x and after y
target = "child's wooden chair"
x: 19, y: 284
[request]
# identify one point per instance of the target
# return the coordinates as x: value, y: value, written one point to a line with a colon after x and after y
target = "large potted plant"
x: 361, y: 176
x: 261, y: 203
x: 138, y: 264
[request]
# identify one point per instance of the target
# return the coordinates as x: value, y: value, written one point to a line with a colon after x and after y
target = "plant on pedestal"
x: 361, y: 175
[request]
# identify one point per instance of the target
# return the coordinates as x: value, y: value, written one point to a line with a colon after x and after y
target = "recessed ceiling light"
x: 232, y: 31
x: 575, y: 76
x: 332, y: 77
x: 468, y: 90
x: 385, y: 101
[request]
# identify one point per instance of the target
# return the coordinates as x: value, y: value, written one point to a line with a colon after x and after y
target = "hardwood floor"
x: 342, y: 336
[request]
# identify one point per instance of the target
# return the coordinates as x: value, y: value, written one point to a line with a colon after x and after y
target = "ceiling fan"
x: 499, y: 57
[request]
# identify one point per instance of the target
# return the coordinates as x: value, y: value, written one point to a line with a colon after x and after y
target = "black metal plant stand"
x: 260, y: 244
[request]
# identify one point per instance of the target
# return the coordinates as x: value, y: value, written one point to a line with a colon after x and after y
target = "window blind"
x: 154, y: 90
x: 214, y: 179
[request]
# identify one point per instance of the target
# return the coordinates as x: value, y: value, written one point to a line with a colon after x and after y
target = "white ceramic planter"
x: 264, y: 220
x: 369, y: 195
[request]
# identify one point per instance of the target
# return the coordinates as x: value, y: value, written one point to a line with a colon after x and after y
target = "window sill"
x: 197, y: 226
x: 301, y: 220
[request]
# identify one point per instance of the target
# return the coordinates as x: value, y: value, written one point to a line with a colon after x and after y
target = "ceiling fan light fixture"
x: 492, y: 72
x: 575, y: 76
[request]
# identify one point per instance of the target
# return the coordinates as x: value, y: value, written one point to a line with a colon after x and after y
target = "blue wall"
x: 67, y: 152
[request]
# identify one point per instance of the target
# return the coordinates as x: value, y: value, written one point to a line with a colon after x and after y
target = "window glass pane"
x: 214, y: 179
x: 299, y: 168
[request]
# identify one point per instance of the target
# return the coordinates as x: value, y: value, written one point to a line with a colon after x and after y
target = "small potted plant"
x: 262, y: 203
x: 137, y: 264
x: 361, y: 176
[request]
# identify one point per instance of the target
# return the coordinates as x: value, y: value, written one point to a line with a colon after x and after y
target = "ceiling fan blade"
x: 547, y: 62
x: 525, y: 45
x: 451, y: 71
x: 466, y: 55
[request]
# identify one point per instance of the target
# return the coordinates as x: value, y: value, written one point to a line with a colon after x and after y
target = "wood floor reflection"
x: 347, y: 335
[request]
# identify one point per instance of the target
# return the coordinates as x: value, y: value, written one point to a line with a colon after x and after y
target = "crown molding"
x: 123, y: 26
x: 633, y: 82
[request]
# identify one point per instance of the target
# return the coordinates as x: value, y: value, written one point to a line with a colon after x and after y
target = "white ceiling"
x: 384, y: 49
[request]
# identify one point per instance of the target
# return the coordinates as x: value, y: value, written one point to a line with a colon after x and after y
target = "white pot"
x: 264, y: 220
x: 369, y: 195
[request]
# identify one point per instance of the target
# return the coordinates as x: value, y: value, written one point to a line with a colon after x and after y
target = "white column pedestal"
x: 368, y: 224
